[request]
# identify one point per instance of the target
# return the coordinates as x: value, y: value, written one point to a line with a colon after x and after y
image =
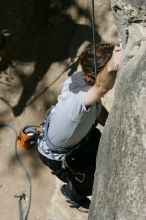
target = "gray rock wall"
x: 119, y: 188
x: 127, y: 12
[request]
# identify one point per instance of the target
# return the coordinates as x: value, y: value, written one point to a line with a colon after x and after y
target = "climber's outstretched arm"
x: 105, y: 79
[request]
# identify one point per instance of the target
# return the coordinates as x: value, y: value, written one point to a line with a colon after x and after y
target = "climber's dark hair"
x: 103, y: 54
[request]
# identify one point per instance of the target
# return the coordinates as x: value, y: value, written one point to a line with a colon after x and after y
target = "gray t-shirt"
x: 70, y: 121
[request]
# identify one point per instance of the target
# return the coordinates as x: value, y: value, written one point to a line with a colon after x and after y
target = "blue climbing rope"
x: 27, y: 175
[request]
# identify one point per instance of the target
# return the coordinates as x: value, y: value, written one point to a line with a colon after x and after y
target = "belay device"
x: 28, y: 136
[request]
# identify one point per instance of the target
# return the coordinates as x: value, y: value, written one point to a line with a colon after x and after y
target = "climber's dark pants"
x: 81, y: 160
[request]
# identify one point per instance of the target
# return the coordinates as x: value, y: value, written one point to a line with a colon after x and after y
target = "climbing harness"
x: 22, y: 196
x: 62, y: 155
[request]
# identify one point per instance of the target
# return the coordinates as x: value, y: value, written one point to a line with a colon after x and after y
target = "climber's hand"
x: 114, y: 62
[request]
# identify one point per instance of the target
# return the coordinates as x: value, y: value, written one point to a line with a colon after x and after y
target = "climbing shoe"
x: 82, y: 205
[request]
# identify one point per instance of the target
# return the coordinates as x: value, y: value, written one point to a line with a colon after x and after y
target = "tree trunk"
x: 119, y: 191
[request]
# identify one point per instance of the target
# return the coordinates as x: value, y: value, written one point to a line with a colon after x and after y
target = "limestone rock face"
x: 119, y: 188
x: 126, y: 13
